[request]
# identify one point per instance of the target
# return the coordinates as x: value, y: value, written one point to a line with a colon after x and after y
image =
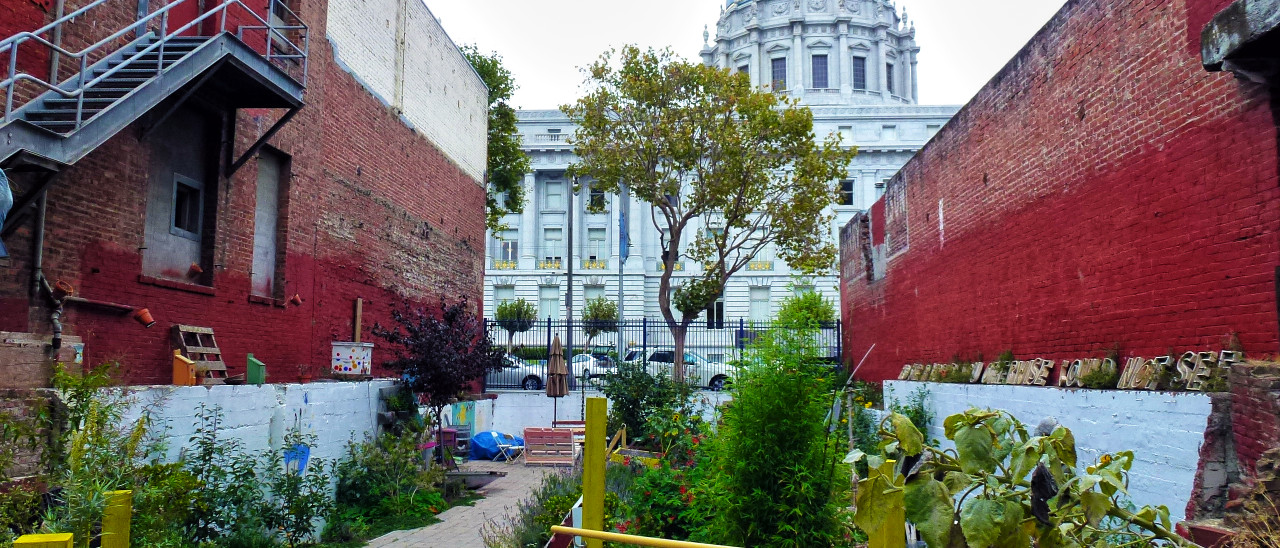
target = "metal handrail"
x: 11, y: 45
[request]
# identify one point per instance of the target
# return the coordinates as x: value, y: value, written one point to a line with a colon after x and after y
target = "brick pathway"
x: 460, y: 527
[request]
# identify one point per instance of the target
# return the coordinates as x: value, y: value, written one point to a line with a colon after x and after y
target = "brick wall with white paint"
x: 400, y: 53
x: 259, y: 415
x: 1163, y: 429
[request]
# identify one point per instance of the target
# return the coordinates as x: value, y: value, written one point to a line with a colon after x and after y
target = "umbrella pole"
x: 554, y: 414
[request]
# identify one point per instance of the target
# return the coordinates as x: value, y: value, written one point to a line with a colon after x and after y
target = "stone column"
x: 797, y: 48
x: 915, y: 88
x: 845, y: 62
x: 759, y: 76
x: 882, y: 45
x: 528, y: 222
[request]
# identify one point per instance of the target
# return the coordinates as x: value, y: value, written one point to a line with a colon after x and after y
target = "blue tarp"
x: 484, y: 445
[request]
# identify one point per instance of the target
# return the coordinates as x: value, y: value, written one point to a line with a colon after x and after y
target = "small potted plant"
x: 304, y: 373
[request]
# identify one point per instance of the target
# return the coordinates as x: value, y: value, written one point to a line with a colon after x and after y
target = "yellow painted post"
x: 56, y: 540
x: 184, y: 370
x: 894, y: 532
x: 116, y: 519
x: 593, y: 463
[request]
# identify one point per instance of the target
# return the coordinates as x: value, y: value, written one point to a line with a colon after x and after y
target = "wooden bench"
x: 579, y: 428
x: 548, y: 447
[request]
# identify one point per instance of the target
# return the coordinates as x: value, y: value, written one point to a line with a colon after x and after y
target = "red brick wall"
x: 373, y: 211
x: 1102, y: 190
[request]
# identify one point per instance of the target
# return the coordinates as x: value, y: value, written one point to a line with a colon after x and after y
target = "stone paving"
x: 460, y: 527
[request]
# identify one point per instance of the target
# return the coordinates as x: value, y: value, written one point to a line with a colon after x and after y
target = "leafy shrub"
x: 527, y: 526
x: 806, y: 310
x: 774, y: 477
x: 635, y: 395
x: 1101, y: 378
x: 916, y: 408
x: 296, y: 498
x: 662, y: 504
x: 1002, y: 486
x: 226, y: 504
x: 439, y: 353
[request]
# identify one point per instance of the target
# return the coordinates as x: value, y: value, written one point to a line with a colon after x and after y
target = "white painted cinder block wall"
x: 400, y: 53
x: 513, y: 411
x: 259, y: 415
x: 1163, y: 429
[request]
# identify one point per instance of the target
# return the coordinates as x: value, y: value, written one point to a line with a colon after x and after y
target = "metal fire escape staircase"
x: 145, y: 72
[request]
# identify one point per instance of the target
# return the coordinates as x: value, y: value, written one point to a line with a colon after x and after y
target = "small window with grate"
x: 188, y: 207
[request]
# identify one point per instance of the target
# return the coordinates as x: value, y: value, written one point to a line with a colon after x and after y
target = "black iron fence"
x: 594, y: 349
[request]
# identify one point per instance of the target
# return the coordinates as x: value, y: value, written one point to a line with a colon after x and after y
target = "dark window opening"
x: 779, y: 75
x: 188, y: 206
x: 596, y: 201
x: 859, y: 73
x: 820, y: 79
x: 846, y: 192
x: 888, y: 74
x: 715, y: 315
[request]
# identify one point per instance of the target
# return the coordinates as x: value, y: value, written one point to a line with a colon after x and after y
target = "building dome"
x: 823, y: 52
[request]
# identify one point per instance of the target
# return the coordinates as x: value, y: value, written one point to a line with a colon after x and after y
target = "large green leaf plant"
x: 1002, y: 486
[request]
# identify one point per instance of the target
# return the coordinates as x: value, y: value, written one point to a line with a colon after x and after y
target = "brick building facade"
x: 1103, y: 190
x: 357, y: 196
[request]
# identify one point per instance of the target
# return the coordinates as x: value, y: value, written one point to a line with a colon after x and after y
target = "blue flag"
x: 624, y: 237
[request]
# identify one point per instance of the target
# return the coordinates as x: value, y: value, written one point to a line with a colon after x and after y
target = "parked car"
x: 591, y: 365
x: 698, y: 369
x: 518, y: 373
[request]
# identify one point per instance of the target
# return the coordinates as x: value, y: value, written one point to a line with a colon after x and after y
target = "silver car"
x: 517, y: 373
x: 698, y: 369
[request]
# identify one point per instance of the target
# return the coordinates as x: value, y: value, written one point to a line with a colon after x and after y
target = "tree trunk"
x: 677, y: 368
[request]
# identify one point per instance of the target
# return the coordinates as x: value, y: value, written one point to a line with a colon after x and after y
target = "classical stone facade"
x: 852, y: 63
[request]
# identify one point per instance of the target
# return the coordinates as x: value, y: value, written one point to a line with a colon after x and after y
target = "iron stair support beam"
x: 262, y: 141
x: 182, y: 100
x: 20, y: 206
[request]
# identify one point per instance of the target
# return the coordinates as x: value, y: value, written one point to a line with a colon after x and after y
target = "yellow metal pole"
x: 894, y: 532
x: 116, y: 519
x: 56, y: 540
x: 632, y: 539
x: 593, y: 462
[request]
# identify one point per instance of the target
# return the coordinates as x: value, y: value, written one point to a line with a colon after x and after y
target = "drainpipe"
x: 37, y: 258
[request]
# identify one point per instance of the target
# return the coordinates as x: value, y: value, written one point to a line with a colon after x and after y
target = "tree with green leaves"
x: 705, y: 148
x: 599, y: 316
x: 515, y: 317
x: 507, y: 163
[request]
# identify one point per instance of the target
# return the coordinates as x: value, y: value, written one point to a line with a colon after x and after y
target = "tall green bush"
x: 808, y: 309
x: 776, y: 477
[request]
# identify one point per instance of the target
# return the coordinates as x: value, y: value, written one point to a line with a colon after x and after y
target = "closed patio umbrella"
x: 557, y: 375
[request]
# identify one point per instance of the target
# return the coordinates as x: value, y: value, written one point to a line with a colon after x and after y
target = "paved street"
x: 460, y: 527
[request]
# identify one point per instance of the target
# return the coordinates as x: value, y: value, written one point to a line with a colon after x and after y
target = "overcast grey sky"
x: 545, y: 42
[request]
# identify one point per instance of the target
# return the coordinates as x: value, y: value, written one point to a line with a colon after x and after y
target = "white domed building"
x: 853, y: 62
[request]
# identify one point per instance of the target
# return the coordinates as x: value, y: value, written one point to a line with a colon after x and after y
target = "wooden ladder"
x: 198, y: 345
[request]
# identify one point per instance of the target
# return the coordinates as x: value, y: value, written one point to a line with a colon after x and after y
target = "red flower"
x: 683, y: 489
